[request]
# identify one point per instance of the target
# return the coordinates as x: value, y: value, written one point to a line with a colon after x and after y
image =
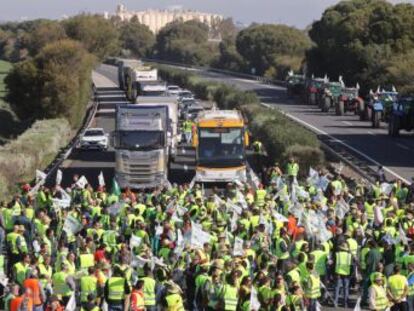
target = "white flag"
x: 82, y: 182
x: 254, y: 300
x: 198, y: 236
x: 101, y: 179
x: 279, y: 217
x: 40, y: 176
x: 358, y: 305
x: 135, y: 241
x: 238, y: 247
x: 59, y: 176
x: 72, y: 225
x: 234, y: 207
x: 71, y: 305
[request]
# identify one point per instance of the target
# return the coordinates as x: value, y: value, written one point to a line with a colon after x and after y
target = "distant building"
x: 157, y: 19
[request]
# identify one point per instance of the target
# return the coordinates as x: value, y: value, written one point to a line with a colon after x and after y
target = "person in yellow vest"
x: 63, y: 284
x: 14, y: 242
x: 230, y: 293
x: 378, y: 300
x: 343, y: 265
x: 173, y: 301
x: 117, y: 291
x: 292, y: 170
x: 89, y: 286
x: 398, y: 290
x: 188, y: 129
x: 20, y: 269
x: 260, y: 196
x: 312, y: 287
x: 149, y: 289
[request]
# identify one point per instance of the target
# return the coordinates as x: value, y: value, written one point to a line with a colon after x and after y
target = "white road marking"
x: 347, y: 123
x: 106, y: 110
x: 370, y: 133
x: 183, y: 150
x: 315, y: 129
x: 185, y: 167
x: 402, y: 146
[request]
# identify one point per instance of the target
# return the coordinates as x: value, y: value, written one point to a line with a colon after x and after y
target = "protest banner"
x: 238, y: 247
x: 72, y: 225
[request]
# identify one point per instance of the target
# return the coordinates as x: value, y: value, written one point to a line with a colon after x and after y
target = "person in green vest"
x: 117, y: 291
x: 63, y: 284
x: 343, y: 266
x: 410, y: 280
x: 173, y: 301
x: 89, y: 286
x: 188, y: 129
x: 230, y: 294
x: 312, y: 287
x: 149, y: 289
x: 378, y: 300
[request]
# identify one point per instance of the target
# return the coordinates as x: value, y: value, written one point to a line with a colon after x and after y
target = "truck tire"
x: 326, y: 104
x: 376, y: 119
x: 394, y: 126
x: 340, y: 108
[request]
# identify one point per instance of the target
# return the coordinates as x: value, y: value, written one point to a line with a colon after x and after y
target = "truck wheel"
x: 326, y: 104
x: 340, y: 106
x: 376, y: 120
x: 394, y: 126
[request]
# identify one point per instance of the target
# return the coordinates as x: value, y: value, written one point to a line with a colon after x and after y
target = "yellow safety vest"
x: 116, y: 288
x: 292, y: 169
x: 313, y: 287
x: 87, y: 260
x: 397, y: 283
x: 260, y: 197
x: 20, y: 271
x: 230, y: 298
x: 381, y: 300
x: 12, y: 242
x: 343, y: 263
x: 278, y: 252
x: 60, y: 287
x: 353, y: 246
x: 410, y: 287
x: 320, y: 258
x: 369, y: 209
x: 174, y: 302
x: 149, y: 291
x: 88, y: 285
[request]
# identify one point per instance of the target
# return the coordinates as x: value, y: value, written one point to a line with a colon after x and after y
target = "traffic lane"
x: 396, y: 154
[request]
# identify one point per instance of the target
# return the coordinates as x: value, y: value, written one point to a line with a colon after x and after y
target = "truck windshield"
x: 221, y: 147
x: 141, y: 140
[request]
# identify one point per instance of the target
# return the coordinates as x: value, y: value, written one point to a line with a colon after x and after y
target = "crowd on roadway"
x: 294, y: 243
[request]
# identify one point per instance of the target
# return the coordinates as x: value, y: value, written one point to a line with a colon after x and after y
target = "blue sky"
x: 299, y: 13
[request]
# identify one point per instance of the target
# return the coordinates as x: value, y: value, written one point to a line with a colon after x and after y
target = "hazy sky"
x: 293, y: 12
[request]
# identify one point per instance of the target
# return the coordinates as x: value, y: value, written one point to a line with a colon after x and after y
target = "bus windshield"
x: 221, y: 147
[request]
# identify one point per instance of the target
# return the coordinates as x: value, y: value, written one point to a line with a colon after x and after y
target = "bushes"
x: 281, y: 136
x: 34, y: 149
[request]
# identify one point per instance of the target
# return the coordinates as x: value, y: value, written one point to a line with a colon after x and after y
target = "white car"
x: 173, y: 90
x: 94, y: 138
x: 185, y: 95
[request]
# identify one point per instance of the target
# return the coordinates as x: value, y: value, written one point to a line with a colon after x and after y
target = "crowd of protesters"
x: 292, y: 244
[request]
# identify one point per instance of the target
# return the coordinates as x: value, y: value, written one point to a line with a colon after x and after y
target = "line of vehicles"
x: 379, y: 106
x: 148, y: 134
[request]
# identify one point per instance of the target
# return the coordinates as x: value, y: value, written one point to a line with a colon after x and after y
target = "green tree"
x: 358, y: 38
x: 45, y: 32
x: 267, y: 48
x: 185, y: 42
x: 56, y: 83
x: 98, y: 35
x: 136, y: 37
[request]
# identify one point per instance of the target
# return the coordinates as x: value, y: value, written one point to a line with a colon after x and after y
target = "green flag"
x: 115, y: 188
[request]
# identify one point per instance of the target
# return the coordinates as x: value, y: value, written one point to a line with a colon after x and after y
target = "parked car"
x: 185, y: 95
x: 94, y: 138
x: 173, y: 90
x: 192, y: 111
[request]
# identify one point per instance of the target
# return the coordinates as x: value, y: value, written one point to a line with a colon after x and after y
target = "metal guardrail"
x: 212, y: 69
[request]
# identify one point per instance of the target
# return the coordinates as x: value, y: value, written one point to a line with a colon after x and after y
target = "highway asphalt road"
x: 373, y: 145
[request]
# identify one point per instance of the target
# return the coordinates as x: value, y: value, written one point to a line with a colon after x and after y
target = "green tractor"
x: 402, y: 116
x: 349, y: 101
x: 329, y: 95
x: 295, y: 84
x: 312, y: 88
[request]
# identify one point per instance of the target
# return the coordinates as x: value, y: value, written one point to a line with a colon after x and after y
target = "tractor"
x: 312, y: 87
x: 349, y: 100
x: 379, y: 106
x: 295, y: 84
x: 402, y: 116
x: 329, y: 95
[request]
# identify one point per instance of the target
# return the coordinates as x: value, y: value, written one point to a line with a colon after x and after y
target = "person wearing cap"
x: 38, y: 295
x: 343, y: 265
x: 397, y: 290
x: 173, y: 301
x: 378, y: 300
x: 117, y: 291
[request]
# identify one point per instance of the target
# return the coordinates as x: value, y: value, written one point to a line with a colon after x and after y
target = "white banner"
x: 101, y: 179
x: 72, y: 225
x: 135, y: 241
x: 71, y: 305
x: 198, y: 236
x: 238, y: 247
x: 234, y: 207
x: 254, y: 300
x: 82, y: 182
x: 59, y: 176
